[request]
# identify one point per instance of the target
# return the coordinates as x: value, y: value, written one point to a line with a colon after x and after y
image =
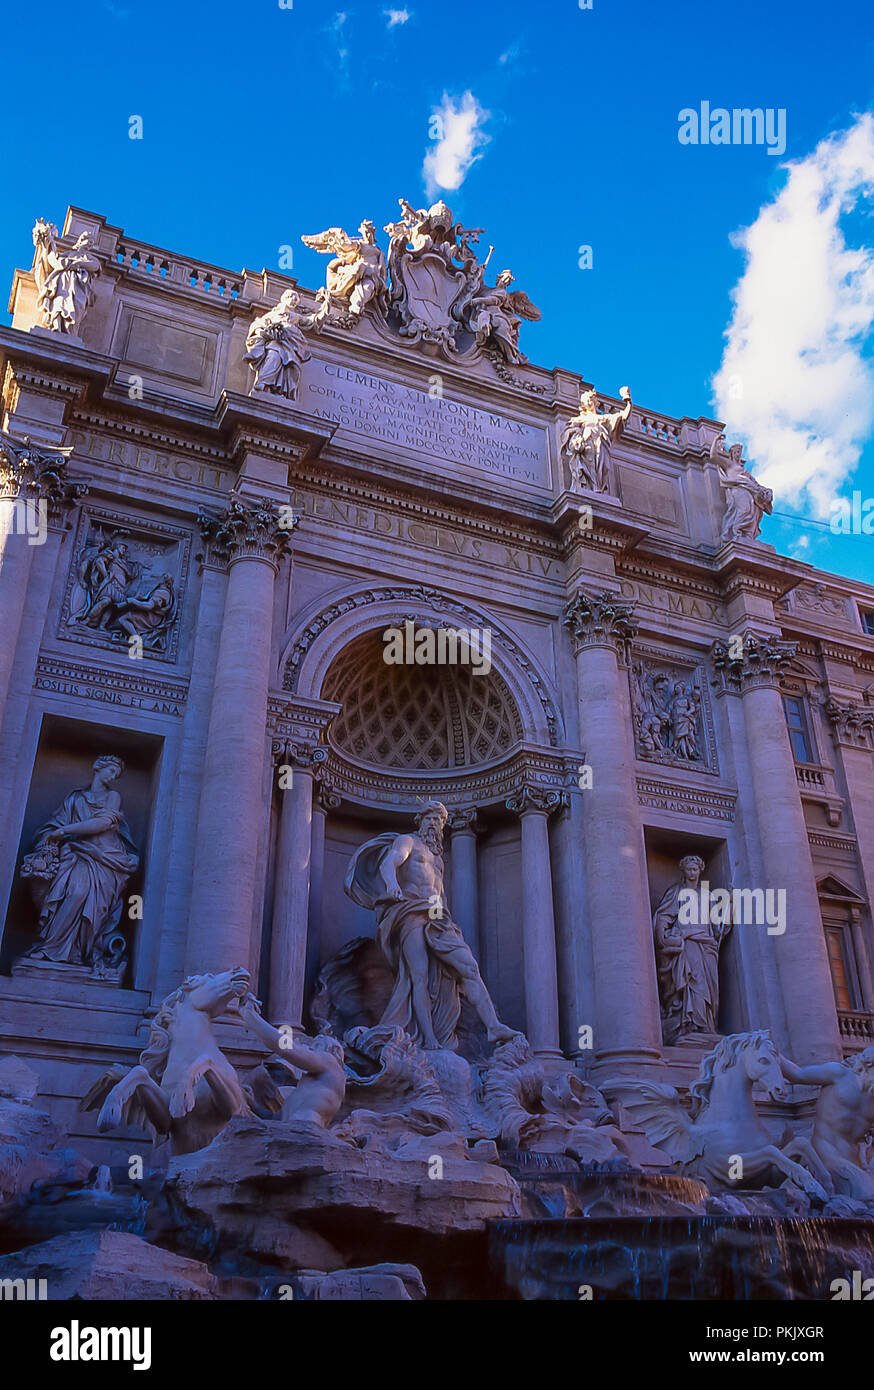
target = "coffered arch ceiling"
x: 417, y: 718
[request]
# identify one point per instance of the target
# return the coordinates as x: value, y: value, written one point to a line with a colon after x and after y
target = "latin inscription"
x: 422, y: 423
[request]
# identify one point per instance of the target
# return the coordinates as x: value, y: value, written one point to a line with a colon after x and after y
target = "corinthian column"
x: 534, y: 806
x: 464, y: 828
x: 34, y: 488
x: 295, y: 764
x: 750, y: 667
x: 627, y: 1022
x: 251, y: 539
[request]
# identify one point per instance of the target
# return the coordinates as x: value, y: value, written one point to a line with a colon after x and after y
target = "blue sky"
x: 260, y: 123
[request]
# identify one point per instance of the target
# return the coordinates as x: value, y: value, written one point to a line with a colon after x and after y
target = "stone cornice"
x: 301, y: 721
x: 751, y: 662
x: 247, y: 531
x: 600, y: 620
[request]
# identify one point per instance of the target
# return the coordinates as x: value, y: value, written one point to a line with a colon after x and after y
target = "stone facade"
x: 208, y: 604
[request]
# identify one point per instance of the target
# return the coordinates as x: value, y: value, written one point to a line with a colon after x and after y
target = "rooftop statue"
x: 400, y: 878
x: 64, y: 279
x: 588, y: 440
x: 746, y: 501
x: 277, y: 348
x: 494, y: 316
x: 356, y: 276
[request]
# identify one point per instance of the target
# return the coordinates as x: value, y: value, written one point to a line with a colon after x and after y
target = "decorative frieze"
x: 257, y: 530
x: 600, y: 620
x: 111, y: 686
x: 751, y: 661
x: 687, y: 801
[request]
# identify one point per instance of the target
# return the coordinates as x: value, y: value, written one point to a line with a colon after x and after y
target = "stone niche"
x: 65, y: 755
x: 664, y: 850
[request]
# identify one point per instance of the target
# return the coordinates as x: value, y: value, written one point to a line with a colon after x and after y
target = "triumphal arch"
x: 283, y: 571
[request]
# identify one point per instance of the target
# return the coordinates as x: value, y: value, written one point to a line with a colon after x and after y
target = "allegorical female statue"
x: 687, y: 955
x: 277, y: 348
x: 79, y: 866
x: 64, y: 279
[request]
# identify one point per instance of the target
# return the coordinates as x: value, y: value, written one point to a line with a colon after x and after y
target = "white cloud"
x: 397, y: 17
x: 456, y: 126
x: 794, y: 384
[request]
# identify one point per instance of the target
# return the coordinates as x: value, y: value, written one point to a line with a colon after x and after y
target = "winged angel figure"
x: 495, y: 317
x: 724, y: 1126
x: 357, y: 275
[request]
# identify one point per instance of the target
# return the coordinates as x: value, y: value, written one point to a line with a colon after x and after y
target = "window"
x: 867, y: 616
x: 799, y: 729
x: 837, y: 955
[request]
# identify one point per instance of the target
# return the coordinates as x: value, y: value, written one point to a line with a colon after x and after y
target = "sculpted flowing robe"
x: 396, y: 920
x: 687, y: 956
x: 82, y: 905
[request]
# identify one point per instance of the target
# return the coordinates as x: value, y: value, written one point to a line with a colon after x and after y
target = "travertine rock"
x: 109, y: 1264
x: 28, y: 1137
x: 260, y: 1183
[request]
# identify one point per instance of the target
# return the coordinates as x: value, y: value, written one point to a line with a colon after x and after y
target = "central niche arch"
x: 417, y: 719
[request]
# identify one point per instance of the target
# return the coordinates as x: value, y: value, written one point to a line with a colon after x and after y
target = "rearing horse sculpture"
x: 724, y: 1142
x: 184, y: 1087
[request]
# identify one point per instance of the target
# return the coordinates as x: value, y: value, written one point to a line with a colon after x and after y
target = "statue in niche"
x: 118, y: 599
x: 400, y: 877
x: 79, y: 866
x: 64, y: 279
x: 746, y: 501
x: 667, y: 715
x: 588, y: 440
x: 843, y: 1120
x: 687, y: 954
x: 356, y: 277
x: 494, y: 316
x: 277, y: 348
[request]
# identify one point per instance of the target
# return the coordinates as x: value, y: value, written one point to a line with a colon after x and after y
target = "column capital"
x: 541, y: 801
x: 297, y: 754
x: 852, y: 724
x: 465, y: 821
x: 600, y: 620
x: 35, y: 472
x: 253, y: 530
x: 751, y: 662
x: 325, y: 795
